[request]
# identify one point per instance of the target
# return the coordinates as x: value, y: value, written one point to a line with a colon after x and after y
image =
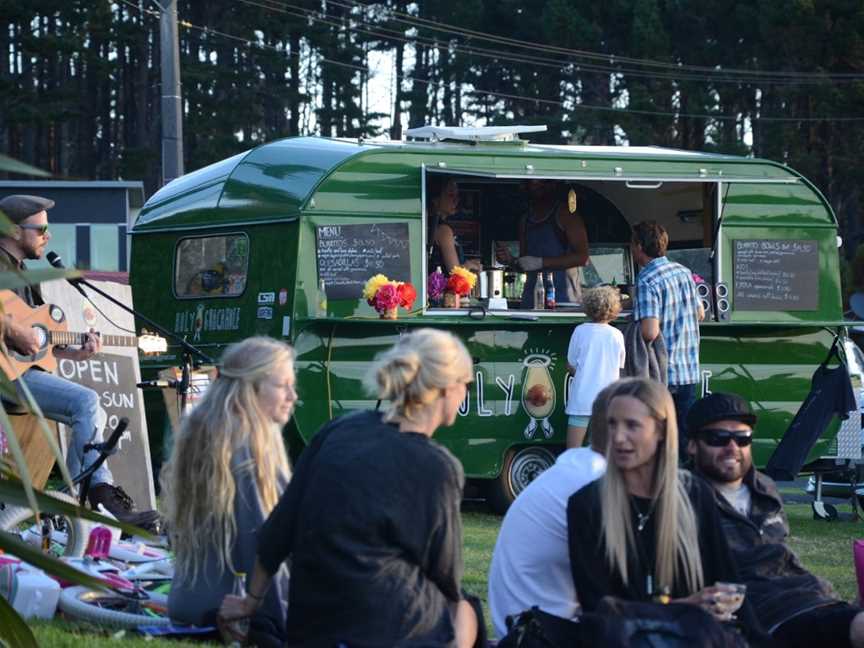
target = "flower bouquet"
x: 386, y: 296
x: 459, y: 284
x: 436, y: 284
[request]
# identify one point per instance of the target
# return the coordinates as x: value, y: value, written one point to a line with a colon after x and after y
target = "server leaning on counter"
x: 552, y: 238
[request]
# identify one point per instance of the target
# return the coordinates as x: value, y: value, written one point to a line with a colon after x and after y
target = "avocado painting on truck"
x: 279, y: 240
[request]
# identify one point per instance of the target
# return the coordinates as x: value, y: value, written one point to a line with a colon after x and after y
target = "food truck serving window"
x: 211, y: 266
x: 506, y: 227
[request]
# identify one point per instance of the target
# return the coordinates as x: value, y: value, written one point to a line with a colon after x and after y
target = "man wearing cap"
x: 59, y: 399
x: 795, y: 606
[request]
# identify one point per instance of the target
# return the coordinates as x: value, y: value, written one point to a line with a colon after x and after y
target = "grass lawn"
x: 824, y: 547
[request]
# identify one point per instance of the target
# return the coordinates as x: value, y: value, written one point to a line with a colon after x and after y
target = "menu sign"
x: 349, y: 254
x: 776, y: 275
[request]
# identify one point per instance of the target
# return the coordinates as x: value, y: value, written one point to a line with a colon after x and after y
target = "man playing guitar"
x: 61, y: 400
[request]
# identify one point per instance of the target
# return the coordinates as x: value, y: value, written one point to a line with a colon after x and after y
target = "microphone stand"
x: 190, y: 351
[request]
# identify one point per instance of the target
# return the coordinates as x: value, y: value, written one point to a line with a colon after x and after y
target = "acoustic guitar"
x: 49, y: 322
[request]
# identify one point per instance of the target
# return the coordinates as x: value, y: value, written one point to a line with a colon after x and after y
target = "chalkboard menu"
x: 349, y: 254
x: 776, y: 275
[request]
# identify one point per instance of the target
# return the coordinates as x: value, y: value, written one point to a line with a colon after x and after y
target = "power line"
x: 417, y: 21
x: 558, y: 64
x: 526, y: 99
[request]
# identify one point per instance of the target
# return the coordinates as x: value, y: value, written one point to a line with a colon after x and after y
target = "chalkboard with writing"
x: 776, y: 274
x: 349, y: 254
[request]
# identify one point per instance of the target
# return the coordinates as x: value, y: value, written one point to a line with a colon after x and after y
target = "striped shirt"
x: 666, y: 291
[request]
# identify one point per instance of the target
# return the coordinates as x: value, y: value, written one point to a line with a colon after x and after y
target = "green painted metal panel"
x: 280, y: 192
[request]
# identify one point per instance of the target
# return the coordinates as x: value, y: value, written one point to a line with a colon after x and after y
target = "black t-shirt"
x: 591, y: 573
x: 830, y: 393
x: 371, y: 524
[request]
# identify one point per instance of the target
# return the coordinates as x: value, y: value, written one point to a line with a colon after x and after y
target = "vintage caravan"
x: 280, y: 240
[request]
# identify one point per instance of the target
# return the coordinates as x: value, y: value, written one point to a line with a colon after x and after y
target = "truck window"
x: 211, y: 266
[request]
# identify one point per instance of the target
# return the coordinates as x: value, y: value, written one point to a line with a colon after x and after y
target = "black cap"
x: 719, y: 407
x: 19, y: 207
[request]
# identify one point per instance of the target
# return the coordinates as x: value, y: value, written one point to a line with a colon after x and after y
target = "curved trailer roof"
x: 277, y: 180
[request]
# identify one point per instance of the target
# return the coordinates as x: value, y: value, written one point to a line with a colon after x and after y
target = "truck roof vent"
x: 481, y: 134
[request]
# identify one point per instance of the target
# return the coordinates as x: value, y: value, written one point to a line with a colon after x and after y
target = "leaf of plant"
x: 49, y: 435
x: 49, y: 564
x: 7, y: 389
x: 10, y: 280
x: 13, y: 629
x: 11, y: 492
x: 6, y: 226
x: 26, y: 483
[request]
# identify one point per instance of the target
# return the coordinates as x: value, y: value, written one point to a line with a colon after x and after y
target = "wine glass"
x: 728, y: 599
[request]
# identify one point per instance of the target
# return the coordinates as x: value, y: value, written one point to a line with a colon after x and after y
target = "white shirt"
x: 739, y: 498
x: 597, y: 353
x: 531, y: 561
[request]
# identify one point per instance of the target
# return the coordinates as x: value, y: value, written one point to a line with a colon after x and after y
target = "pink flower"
x: 386, y: 298
x: 697, y: 278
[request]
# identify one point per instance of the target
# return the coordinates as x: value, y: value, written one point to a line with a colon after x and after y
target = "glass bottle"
x: 550, y: 292
x: 322, y: 298
x: 539, y: 293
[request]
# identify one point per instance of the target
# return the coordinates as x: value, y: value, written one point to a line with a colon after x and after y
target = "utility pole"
x: 172, y: 105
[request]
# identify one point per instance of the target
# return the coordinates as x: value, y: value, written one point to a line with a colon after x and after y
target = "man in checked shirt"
x: 667, y: 305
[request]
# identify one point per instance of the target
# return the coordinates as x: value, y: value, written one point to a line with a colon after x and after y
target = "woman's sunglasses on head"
x: 718, y: 437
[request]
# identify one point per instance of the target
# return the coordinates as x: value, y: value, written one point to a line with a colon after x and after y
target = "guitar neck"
x: 74, y: 338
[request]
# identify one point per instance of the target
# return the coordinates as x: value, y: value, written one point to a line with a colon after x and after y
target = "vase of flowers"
x: 436, y: 284
x: 460, y: 283
x: 386, y: 296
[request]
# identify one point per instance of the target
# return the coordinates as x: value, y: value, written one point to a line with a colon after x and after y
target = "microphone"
x: 156, y: 383
x: 57, y: 261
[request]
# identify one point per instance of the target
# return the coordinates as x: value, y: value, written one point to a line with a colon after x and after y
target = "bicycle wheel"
x: 70, y: 534
x: 111, y: 609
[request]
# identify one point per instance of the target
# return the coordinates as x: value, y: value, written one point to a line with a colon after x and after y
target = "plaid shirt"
x: 665, y: 290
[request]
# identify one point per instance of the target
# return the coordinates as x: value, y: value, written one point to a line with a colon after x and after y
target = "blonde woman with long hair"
x: 227, y: 470
x: 656, y: 527
x: 371, y: 520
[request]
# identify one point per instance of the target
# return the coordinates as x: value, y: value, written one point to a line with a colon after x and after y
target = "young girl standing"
x: 594, y: 359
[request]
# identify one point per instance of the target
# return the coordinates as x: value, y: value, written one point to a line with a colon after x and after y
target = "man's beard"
x: 718, y: 473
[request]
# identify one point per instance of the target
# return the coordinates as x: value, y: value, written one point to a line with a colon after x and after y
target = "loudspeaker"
x: 721, y: 293
x: 703, y: 291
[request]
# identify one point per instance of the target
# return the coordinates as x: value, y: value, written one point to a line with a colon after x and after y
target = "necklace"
x: 642, y: 518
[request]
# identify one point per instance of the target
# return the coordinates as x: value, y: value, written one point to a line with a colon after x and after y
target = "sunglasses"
x: 42, y: 229
x: 718, y: 437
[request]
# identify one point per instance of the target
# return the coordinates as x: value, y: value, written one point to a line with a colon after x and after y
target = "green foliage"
x: 80, y: 91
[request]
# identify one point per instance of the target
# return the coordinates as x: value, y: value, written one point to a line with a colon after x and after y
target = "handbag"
x: 535, y: 628
x: 649, y: 625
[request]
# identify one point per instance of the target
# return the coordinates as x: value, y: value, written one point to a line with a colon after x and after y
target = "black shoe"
x: 120, y: 505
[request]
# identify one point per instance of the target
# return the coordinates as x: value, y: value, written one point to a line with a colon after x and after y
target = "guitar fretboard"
x: 70, y: 337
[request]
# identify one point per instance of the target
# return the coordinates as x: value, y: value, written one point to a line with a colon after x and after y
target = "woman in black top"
x: 370, y: 521
x: 657, y: 528
x: 445, y: 250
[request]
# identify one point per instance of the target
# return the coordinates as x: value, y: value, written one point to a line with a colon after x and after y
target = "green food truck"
x: 280, y: 240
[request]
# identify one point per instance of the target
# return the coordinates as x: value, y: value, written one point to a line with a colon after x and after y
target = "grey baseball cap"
x: 19, y: 206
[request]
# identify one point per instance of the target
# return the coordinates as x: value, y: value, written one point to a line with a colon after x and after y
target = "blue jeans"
x: 74, y: 405
x: 684, y: 396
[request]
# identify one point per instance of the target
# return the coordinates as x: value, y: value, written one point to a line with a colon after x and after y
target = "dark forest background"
x: 781, y: 79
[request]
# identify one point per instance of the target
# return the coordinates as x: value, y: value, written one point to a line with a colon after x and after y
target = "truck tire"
x: 108, y: 609
x: 77, y: 530
x: 521, y: 467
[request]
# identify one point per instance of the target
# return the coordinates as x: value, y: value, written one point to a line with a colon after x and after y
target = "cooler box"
x: 31, y: 592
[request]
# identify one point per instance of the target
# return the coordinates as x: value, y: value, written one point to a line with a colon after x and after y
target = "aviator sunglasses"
x: 42, y: 229
x: 718, y: 437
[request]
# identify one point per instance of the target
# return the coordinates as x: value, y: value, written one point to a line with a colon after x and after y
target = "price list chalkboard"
x: 777, y: 275
x: 349, y: 254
